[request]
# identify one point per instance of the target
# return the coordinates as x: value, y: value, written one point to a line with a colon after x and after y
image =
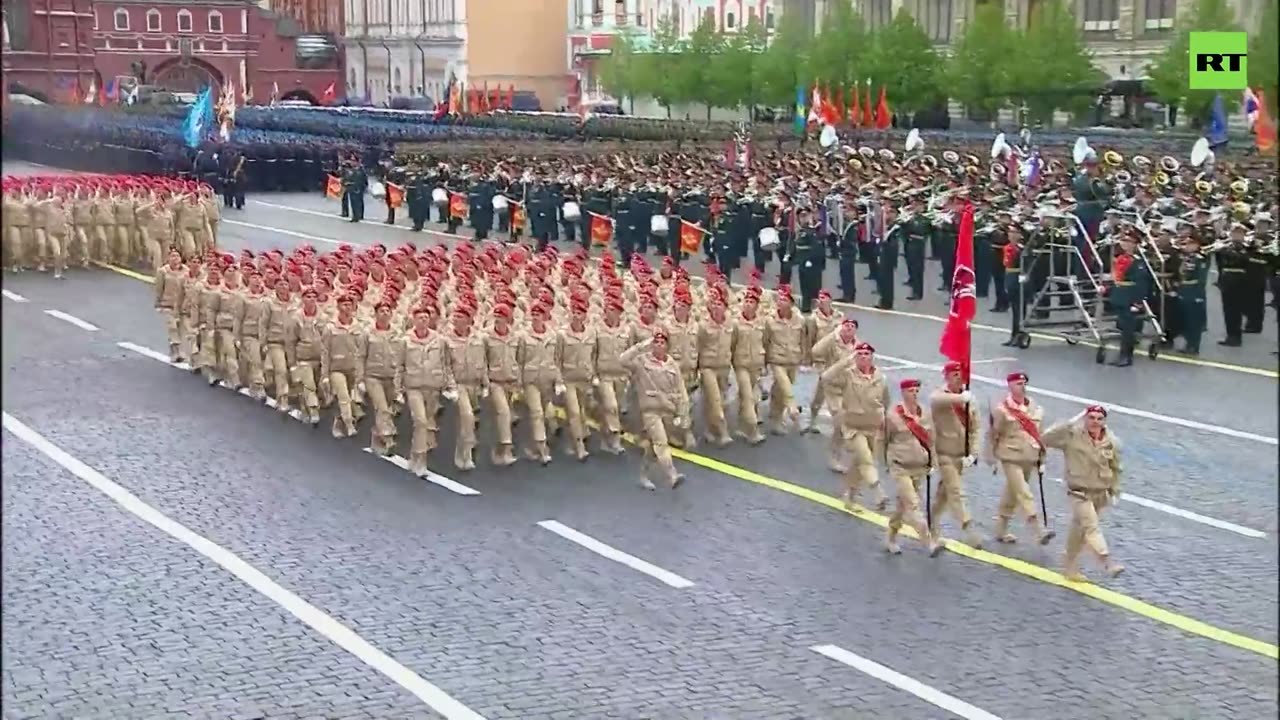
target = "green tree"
x: 903, y: 62
x: 701, y: 55
x: 839, y: 55
x: 622, y: 71
x: 733, y: 71
x: 657, y: 71
x: 779, y: 71
x: 978, y: 75
x: 1262, y: 55
x: 1053, y: 57
x: 1169, y: 74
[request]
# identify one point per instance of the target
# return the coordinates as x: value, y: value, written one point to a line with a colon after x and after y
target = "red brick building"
x: 48, y: 45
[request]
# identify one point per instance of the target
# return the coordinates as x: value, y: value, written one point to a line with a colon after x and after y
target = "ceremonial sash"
x: 962, y: 414
x: 921, y: 435
x: 1024, y: 421
x: 1120, y: 267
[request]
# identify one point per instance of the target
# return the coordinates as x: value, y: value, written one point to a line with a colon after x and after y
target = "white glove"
x: 595, y: 382
x: 970, y: 461
x: 967, y: 397
x: 400, y: 397
x: 1040, y: 469
x: 360, y: 387
x: 680, y: 422
x: 559, y: 389
x: 1115, y: 497
x: 484, y: 391
x: 450, y: 394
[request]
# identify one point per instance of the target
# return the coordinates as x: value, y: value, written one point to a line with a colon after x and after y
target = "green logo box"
x: 1219, y: 61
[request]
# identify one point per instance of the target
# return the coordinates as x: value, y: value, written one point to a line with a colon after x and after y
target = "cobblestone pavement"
x: 105, y: 616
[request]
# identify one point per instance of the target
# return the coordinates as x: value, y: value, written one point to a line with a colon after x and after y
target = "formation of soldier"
x: 579, y: 347
x: 52, y: 221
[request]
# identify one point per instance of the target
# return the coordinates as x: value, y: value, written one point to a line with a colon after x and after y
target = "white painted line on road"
x: 993, y: 360
x: 331, y: 216
x: 72, y: 319
x: 337, y: 633
x: 290, y: 233
x: 615, y: 554
x: 13, y: 296
x: 433, y: 477
x: 154, y: 355
x: 1111, y: 407
x: 1126, y: 498
x: 929, y: 694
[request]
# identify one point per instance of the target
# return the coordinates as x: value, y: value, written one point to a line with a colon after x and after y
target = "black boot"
x: 1124, y: 358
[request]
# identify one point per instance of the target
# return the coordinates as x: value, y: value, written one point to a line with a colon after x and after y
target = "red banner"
x: 955, y: 343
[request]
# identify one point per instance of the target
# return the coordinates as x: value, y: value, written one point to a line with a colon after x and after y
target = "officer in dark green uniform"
x: 809, y: 257
x: 480, y: 207
x: 1193, y: 276
x: 354, y: 184
x: 417, y: 196
x: 886, y: 258
x: 1233, y: 264
x: 1016, y: 289
x: 1132, y: 285
x: 453, y: 185
x: 998, y: 239
x: 640, y: 211
x: 847, y: 252
x: 945, y: 236
x: 1091, y: 196
x: 541, y: 213
x: 623, y: 228
x: 916, y: 231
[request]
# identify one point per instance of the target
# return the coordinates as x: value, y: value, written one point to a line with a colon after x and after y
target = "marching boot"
x: 1124, y: 358
x: 418, y: 464
x: 1002, y: 533
x: 502, y: 456
x: 1112, y: 567
x: 971, y: 536
x: 612, y: 444
x: 1043, y: 534
x: 544, y: 454
x: 891, y: 541
x: 580, y: 449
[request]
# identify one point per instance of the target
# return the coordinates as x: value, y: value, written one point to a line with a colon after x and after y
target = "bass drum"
x: 439, y: 196
x: 769, y: 238
x: 571, y: 211
x: 658, y: 225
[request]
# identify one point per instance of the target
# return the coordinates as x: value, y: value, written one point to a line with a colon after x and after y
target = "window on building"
x: 877, y: 13
x: 121, y: 19
x: 597, y: 12
x: 1160, y: 14
x: 184, y: 20
x: 935, y: 18
x: 153, y: 21
x: 620, y: 12
x: 1099, y: 15
x: 215, y: 21
x: 730, y: 21
x: 768, y: 19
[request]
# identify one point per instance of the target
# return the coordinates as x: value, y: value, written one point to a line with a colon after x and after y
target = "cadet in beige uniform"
x: 383, y: 364
x: 227, y: 323
x: 784, y: 346
x: 502, y: 349
x: 748, y: 366
x: 52, y: 225
x: 342, y: 361
x: 838, y: 345
x: 82, y: 250
x: 104, y: 228
x: 273, y: 329
x: 209, y: 300
x: 663, y: 401
x: 613, y: 337
x: 170, y: 282
x: 682, y: 343
x: 955, y: 420
x: 819, y: 325
x: 540, y: 378
x: 468, y: 361
x: 426, y: 376
x: 17, y: 221
x: 1014, y: 442
x: 1092, y: 457
x: 715, y: 366
x: 124, y: 224
x: 305, y: 354
x: 257, y: 305
x: 577, y: 353
x: 860, y: 422
x: 910, y: 453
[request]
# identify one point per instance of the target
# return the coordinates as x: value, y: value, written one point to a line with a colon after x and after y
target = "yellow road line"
x: 1022, y: 567
x: 125, y: 272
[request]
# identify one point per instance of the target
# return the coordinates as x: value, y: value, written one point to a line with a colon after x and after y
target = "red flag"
x: 837, y: 107
x: 484, y: 98
x: 1264, y: 130
x: 867, y: 119
x: 395, y: 195
x: 690, y: 237
x: 330, y: 94
x: 511, y: 96
x: 601, y: 229
x: 883, y: 117
x: 855, y: 112
x: 955, y: 343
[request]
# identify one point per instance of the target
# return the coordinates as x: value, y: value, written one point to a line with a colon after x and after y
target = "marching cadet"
x: 212, y: 215
x: 540, y: 378
x: 1193, y: 276
x: 189, y: 314
x: 273, y: 333
x: 502, y: 354
x: 170, y: 281
x: 909, y: 438
x: 784, y: 343
x: 82, y: 226
x: 17, y: 221
x: 1132, y: 285
x: 663, y: 403
x: 837, y: 345
x: 1015, y: 443
x: 469, y: 366
x: 104, y: 229
x: 1092, y: 477
x: 682, y: 344
x: 342, y: 346
x: 749, y: 364
x: 715, y: 366
x: 227, y: 322
x: 956, y: 438
x: 306, y: 354
x: 155, y: 228
x: 124, y: 224
x: 210, y: 298
x: 427, y: 375
x: 257, y: 304
x: 820, y: 324
x: 577, y: 353
x: 612, y: 339
x: 383, y: 366
x: 860, y: 420
x: 52, y: 223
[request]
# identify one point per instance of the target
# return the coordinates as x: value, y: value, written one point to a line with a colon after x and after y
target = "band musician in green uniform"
x: 1132, y: 285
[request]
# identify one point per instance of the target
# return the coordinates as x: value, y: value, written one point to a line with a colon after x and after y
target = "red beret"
x: 908, y: 384
x: 824, y: 295
x: 863, y: 347
x: 1098, y: 409
x: 951, y: 367
x: 1016, y: 377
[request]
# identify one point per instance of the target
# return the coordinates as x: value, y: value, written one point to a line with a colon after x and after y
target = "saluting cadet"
x: 663, y: 403
x: 860, y: 420
x: 1092, y: 477
x: 819, y: 325
x: 1014, y: 441
x: 956, y: 439
x: 910, y: 454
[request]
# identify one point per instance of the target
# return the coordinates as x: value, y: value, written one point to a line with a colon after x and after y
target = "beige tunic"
x: 342, y: 346
x: 863, y: 398
x: 748, y: 343
x: 538, y: 357
x: 170, y: 284
x: 659, y: 383
x: 785, y: 340
x: 904, y: 449
x: 715, y: 345
x: 468, y: 358
x: 426, y: 362
x: 611, y: 342
x: 1090, y: 464
x: 305, y: 337
x: 1007, y: 441
x: 502, y: 356
x: 819, y: 325
x: 947, y: 417
x: 577, y: 354
x: 383, y: 353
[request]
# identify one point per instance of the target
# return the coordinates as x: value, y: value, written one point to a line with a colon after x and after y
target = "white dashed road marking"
x: 1126, y: 498
x: 342, y: 636
x: 432, y: 477
x: 615, y: 554
x: 13, y: 296
x: 72, y: 319
x: 929, y: 694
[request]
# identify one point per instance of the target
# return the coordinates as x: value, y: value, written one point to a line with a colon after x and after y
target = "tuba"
x: 914, y: 141
x: 1200, y: 154
x: 1170, y: 164
x: 1081, y: 152
x: 1112, y: 159
x: 1000, y: 147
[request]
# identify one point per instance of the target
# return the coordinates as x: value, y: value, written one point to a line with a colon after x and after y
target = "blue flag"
x: 1217, y: 134
x: 199, y: 118
x: 800, y: 114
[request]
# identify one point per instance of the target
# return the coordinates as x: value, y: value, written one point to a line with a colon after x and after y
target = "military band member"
x: 1092, y: 477
x: 1193, y: 277
x: 910, y: 453
x: 916, y: 231
x: 663, y: 404
x: 860, y: 419
x: 885, y: 262
x: 1015, y: 444
x: 1233, y: 284
x: 955, y: 421
x: 1132, y: 283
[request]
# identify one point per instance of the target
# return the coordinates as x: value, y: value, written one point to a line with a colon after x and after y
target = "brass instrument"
x: 1240, y: 187
x: 1161, y: 178
x: 951, y: 157
x: 1170, y: 164
x: 1141, y: 163
x: 1112, y: 159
